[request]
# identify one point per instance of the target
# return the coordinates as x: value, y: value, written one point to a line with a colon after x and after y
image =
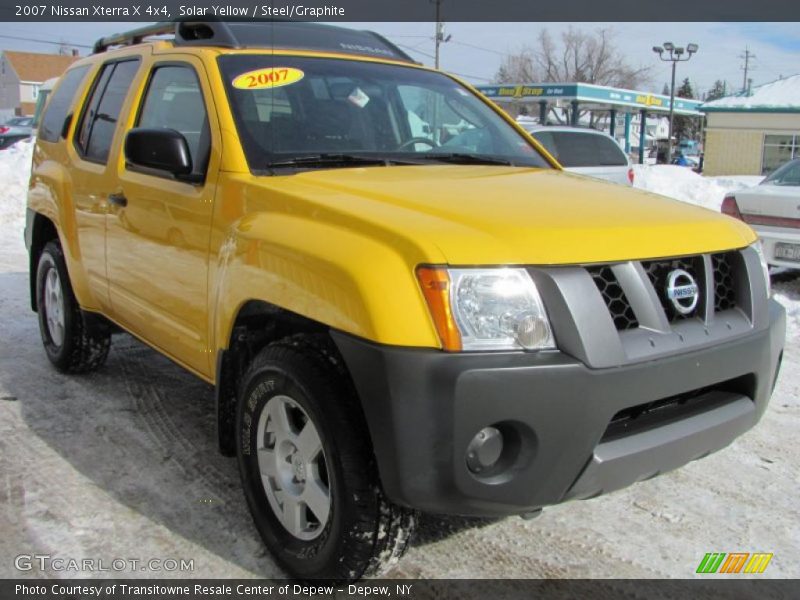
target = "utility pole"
x: 746, y: 56
x: 439, y: 37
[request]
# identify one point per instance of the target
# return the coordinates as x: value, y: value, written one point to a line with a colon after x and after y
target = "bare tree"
x: 578, y: 56
x: 586, y: 58
x: 582, y: 57
x: 517, y: 68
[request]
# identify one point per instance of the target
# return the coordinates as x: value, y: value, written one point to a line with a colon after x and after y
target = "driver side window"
x: 174, y: 101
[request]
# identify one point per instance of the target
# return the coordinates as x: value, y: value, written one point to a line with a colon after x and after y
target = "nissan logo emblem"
x: 682, y: 291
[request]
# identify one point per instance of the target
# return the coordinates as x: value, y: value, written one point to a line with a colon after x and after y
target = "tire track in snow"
x: 176, y: 448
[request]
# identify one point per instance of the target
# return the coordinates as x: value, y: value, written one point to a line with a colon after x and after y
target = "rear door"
x: 91, y: 157
x: 158, y: 233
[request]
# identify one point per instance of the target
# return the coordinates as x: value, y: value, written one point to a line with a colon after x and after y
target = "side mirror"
x: 164, y: 150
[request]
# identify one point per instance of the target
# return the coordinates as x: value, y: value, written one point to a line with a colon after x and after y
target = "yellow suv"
x: 403, y: 302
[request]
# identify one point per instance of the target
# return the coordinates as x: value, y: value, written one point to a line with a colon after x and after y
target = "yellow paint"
x: 272, y: 77
x: 339, y: 246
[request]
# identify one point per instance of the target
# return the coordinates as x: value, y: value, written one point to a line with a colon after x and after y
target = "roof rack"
x: 264, y: 34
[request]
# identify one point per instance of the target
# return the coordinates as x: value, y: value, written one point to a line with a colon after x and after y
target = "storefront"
x: 753, y: 134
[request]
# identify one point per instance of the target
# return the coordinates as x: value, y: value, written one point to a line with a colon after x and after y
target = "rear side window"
x: 60, y: 102
x: 578, y: 149
x: 788, y: 174
x: 174, y: 101
x: 101, y: 113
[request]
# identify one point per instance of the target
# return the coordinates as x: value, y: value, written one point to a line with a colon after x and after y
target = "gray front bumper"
x: 424, y: 406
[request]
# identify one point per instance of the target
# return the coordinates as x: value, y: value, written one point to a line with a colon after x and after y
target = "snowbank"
x: 684, y: 184
x: 15, y: 170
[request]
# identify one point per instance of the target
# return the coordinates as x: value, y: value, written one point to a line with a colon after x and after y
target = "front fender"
x: 346, y: 279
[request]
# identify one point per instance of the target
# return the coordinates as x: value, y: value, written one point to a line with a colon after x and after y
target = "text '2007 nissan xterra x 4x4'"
x: 403, y: 302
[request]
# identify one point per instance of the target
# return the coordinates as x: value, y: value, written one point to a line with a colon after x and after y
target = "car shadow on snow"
x: 143, y: 430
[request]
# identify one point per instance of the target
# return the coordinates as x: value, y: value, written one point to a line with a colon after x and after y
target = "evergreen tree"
x: 685, y: 91
x: 717, y: 91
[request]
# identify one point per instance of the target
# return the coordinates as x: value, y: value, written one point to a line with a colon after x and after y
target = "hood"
x: 473, y: 215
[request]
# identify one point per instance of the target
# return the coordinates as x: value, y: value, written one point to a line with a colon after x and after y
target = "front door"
x: 159, y: 227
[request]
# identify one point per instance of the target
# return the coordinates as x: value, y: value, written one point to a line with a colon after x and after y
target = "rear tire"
x: 307, y: 466
x: 75, y: 342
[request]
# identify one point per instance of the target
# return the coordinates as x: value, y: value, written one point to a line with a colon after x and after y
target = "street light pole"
x: 674, y: 57
x: 671, y: 112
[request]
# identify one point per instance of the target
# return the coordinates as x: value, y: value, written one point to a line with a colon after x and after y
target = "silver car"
x: 14, y: 130
x: 585, y: 151
x: 772, y: 208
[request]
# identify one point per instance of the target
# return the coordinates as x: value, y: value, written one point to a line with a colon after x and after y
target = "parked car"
x: 41, y: 100
x: 392, y: 325
x: 14, y: 130
x: 585, y: 151
x: 772, y: 208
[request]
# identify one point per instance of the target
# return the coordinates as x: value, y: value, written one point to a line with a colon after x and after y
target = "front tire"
x: 75, y: 342
x: 308, y: 470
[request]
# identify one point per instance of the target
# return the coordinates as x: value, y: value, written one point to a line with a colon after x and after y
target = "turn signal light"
x: 435, y: 284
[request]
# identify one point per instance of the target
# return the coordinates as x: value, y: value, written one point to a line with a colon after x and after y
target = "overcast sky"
x: 476, y: 49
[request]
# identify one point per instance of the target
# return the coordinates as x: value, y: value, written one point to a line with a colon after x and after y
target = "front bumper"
x: 424, y: 406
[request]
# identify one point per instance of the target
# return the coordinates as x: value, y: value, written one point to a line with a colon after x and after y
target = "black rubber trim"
x: 423, y: 406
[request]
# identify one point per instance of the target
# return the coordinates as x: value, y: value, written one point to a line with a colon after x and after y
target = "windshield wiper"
x: 464, y: 158
x: 327, y: 160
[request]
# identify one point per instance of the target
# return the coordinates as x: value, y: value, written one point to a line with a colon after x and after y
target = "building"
x: 21, y: 75
x: 612, y: 105
x: 753, y: 133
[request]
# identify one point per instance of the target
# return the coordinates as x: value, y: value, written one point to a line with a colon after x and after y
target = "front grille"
x: 614, y: 297
x: 658, y: 271
x: 726, y: 270
x: 650, y: 415
x: 724, y: 285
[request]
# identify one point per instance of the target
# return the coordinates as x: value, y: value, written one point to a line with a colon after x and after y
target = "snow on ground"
x: 15, y: 167
x: 686, y: 185
x: 123, y: 463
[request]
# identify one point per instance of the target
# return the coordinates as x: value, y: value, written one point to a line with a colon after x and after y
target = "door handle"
x: 118, y: 199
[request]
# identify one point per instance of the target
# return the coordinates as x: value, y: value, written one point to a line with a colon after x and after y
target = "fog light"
x: 485, y: 449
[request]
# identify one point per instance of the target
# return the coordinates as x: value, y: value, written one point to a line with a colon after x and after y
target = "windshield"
x: 289, y: 109
x: 788, y: 174
x: 579, y: 149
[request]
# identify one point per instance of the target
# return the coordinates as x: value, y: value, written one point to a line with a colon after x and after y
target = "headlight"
x: 759, y: 248
x: 486, y: 309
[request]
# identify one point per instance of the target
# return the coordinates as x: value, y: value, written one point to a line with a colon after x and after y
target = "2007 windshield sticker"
x: 270, y: 77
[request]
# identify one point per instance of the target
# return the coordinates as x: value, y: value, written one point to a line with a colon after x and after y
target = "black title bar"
x: 394, y: 589
x: 403, y: 10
